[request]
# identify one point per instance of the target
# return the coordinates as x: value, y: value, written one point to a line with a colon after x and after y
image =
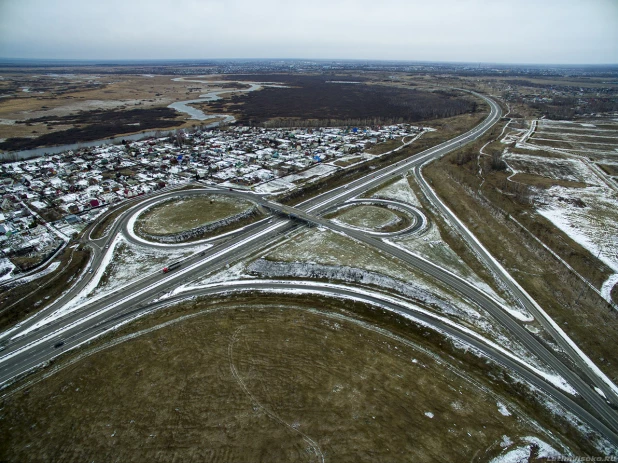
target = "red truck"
x: 171, y: 267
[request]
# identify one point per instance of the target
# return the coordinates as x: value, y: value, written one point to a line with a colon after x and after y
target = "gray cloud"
x: 527, y: 31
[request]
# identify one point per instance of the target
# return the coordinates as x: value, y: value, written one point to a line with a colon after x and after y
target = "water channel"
x: 181, y: 106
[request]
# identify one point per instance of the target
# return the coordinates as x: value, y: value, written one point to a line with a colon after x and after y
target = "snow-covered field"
x: 588, y: 214
x: 572, y: 170
x: 320, y: 170
x: 522, y: 452
x: 274, y: 186
x: 597, y: 139
x: 398, y: 191
x: 6, y: 269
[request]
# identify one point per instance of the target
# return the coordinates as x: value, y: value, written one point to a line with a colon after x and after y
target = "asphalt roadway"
x: 39, y: 346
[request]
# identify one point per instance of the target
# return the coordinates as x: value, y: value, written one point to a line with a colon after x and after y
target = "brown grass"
x: 181, y: 214
x: 347, y: 162
x: 609, y: 169
x: 375, y: 215
x: 256, y: 380
x: 544, y: 182
x: 383, y: 147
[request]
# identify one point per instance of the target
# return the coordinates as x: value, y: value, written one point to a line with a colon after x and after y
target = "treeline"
x: 570, y: 107
x: 300, y: 123
x: 313, y: 102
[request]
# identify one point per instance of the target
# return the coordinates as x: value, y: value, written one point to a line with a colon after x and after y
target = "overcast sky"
x: 514, y: 31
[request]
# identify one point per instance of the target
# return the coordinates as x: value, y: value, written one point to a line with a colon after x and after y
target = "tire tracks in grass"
x: 230, y: 352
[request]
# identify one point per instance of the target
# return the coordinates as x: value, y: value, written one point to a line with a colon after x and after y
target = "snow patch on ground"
x: 608, y: 284
x: 233, y: 273
x: 506, y: 442
x: 274, y: 186
x: 321, y: 170
x: 6, y: 268
x: 544, y: 449
x: 518, y: 455
x: 522, y: 453
x: 600, y: 392
x: 588, y: 215
x: 503, y: 410
x: 399, y: 191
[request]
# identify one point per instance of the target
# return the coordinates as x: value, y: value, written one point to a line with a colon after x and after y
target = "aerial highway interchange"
x: 36, y: 341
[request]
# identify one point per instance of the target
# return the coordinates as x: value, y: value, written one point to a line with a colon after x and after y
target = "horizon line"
x: 378, y: 60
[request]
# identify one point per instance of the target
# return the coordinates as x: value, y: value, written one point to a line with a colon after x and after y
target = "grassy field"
x: 186, y: 213
x: 258, y: 380
x: 375, y: 218
x: 385, y: 146
x: 328, y: 248
x: 347, y: 162
x: 102, y: 226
